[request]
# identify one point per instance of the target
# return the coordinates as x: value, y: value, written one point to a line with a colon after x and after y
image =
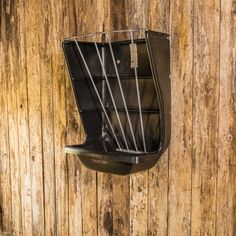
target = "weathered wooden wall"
x: 192, y: 189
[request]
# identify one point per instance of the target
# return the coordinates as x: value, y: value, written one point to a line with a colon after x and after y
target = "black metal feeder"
x: 122, y: 90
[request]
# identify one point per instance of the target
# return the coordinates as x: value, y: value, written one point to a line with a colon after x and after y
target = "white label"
x: 133, y: 55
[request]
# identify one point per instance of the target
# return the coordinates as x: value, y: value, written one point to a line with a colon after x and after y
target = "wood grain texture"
x: 121, y: 205
x: 23, y: 125
x: 104, y: 181
x: 158, y: 19
x: 138, y: 204
x: 48, y: 152
x: 12, y: 67
x: 5, y: 168
x: 74, y: 136
x: 158, y: 198
x: 226, y: 189
x: 180, y: 151
x: 105, y: 204
x: 121, y: 184
x: 60, y: 118
x: 89, y: 200
x: 137, y: 18
x: 94, y: 11
x: 191, y: 190
x: 33, y: 14
x: 205, y: 116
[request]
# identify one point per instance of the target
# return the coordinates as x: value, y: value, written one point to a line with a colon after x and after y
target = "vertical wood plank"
x: 90, y: 183
x: 138, y: 18
x: 158, y: 197
x: 226, y: 189
x: 75, y: 195
x: 105, y: 219
x: 33, y: 16
x: 74, y: 136
x: 89, y: 207
x: 23, y: 123
x: 118, y: 9
x: 205, y: 116
x: 121, y: 205
x: 104, y: 181
x: 158, y: 19
x: 138, y: 203
x: 89, y: 178
x: 121, y: 184
x: 46, y: 51
x: 12, y: 77
x: 179, y: 197
x: 59, y: 110
x: 5, y: 168
x: 159, y: 15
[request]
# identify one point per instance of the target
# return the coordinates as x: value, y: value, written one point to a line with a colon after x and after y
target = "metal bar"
x: 139, y: 102
x: 122, y: 93
x: 106, y: 32
x: 130, y: 151
x: 110, y: 91
x: 99, y: 98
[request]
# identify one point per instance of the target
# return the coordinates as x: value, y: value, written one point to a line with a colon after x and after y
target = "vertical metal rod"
x: 97, y: 93
x: 139, y: 102
x: 122, y: 93
x: 111, y: 94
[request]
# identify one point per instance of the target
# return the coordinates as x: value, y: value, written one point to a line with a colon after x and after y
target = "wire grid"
x: 133, y: 34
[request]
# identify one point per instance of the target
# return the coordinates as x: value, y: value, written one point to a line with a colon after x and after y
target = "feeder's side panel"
x: 84, y: 92
x: 180, y: 150
x: 160, y: 59
x: 205, y: 116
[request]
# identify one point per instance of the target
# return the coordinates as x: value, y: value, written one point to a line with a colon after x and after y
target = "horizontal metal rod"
x: 111, y: 109
x: 130, y: 151
x: 106, y: 32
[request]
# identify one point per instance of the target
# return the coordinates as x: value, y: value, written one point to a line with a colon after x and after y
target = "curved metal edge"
x: 159, y: 54
x: 81, y: 150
